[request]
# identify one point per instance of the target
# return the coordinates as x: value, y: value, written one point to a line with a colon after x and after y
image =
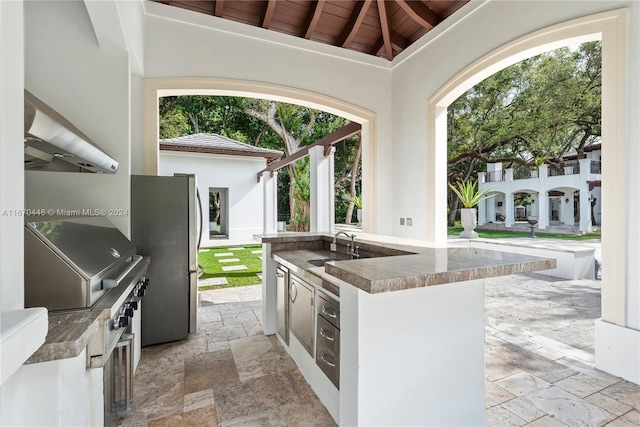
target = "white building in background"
x: 226, y: 172
x: 563, y: 199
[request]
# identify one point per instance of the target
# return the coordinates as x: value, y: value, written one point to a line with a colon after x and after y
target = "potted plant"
x: 469, y: 196
x: 357, y: 202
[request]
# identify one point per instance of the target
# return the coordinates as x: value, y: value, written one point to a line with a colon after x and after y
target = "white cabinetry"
x: 55, y: 393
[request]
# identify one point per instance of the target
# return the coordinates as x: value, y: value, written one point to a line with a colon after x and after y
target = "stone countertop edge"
x: 69, y: 333
x: 413, y: 281
x: 393, y: 273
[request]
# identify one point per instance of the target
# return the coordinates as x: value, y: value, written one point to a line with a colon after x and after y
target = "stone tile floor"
x: 227, y: 374
x: 539, y: 356
x: 539, y: 365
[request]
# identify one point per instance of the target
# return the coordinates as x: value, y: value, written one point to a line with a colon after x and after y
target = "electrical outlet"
x: 401, y: 221
x: 409, y: 222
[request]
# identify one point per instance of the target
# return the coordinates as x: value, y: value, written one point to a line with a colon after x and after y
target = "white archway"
x: 620, y: 312
x: 155, y: 88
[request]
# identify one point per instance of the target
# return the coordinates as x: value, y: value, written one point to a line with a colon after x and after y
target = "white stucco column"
x: 508, y: 174
x: 322, y: 191
x: 508, y: 210
x: 482, y: 212
x: 543, y: 210
x: 270, y: 202
x: 585, y: 208
x: 482, y: 206
x: 585, y: 204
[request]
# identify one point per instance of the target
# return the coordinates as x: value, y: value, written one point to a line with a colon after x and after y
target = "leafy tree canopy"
x: 528, y: 114
x: 532, y: 112
x: 268, y: 124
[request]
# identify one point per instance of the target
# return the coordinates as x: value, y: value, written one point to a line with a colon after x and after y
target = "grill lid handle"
x: 112, y: 283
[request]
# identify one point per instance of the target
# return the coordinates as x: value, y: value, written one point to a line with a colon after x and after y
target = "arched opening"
x: 610, y: 28
x: 153, y: 89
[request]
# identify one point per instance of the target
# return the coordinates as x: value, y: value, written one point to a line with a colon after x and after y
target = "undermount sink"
x: 320, y: 262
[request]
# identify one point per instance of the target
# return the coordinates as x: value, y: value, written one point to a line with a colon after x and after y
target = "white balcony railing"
x: 495, y: 176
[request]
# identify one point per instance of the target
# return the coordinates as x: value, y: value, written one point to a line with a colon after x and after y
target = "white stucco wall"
x: 62, y: 64
x: 56, y: 393
x: 11, y: 156
x: 236, y: 173
x: 419, y: 77
x: 89, y: 85
x: 218, y: 53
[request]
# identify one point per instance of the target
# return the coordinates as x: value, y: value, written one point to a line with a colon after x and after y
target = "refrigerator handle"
x: 201, y: 224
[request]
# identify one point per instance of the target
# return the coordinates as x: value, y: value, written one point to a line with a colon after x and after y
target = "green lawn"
x: 213, y: 267
x: 499, y: 234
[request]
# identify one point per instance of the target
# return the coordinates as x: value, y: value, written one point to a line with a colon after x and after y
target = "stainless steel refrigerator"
x: 165, y: 216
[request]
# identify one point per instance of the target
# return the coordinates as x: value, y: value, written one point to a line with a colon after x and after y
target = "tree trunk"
x: 268, y: 113
x: 216, y: 203
x: 194, y: 122
x: 453, y: 210
x: 303, y: 209
x: 354, y: 178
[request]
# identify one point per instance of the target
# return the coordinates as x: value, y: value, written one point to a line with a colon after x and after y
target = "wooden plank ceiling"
x: 377, y: 27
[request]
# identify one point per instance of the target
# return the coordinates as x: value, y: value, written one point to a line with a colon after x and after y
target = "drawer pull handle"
x: 333, y: 365
x: 325, y: 336
x: 332, y: 315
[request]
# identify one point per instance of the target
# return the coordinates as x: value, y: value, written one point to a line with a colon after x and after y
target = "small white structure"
x: 563, y: 199
x: 226, y: 170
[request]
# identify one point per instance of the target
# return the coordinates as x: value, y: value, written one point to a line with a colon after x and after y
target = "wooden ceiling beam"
x: 398, y: 41
x: 328, y: 141
x: 386, y: 29
x: 353, y: 25
x: 267, y: 13
x: 217, y: 10
x: 378, y: 47
x: 312, y: 19
x: 420, y: 13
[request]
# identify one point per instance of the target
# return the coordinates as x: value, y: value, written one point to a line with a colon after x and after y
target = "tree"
x: 268, y: 124
x: 223, y: 115
x: 530, y: 113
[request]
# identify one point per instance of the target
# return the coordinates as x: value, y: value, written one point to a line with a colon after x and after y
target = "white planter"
x: 359, y: 216
x: 213, y: 225
x: 468, y: 218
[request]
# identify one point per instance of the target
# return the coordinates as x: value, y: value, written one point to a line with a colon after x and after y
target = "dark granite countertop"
x: 69, y: 333
x: 425, y: 266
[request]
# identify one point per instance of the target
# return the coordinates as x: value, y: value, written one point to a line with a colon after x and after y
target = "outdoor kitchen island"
x: 410, y: 323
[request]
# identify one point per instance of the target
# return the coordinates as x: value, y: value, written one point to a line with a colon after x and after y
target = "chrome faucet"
x: 351, y: 249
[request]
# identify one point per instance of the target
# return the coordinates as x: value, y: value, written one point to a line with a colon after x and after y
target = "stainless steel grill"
x: 86, y: 263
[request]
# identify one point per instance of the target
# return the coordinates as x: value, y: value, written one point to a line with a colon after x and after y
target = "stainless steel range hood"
x: 52, y: 143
